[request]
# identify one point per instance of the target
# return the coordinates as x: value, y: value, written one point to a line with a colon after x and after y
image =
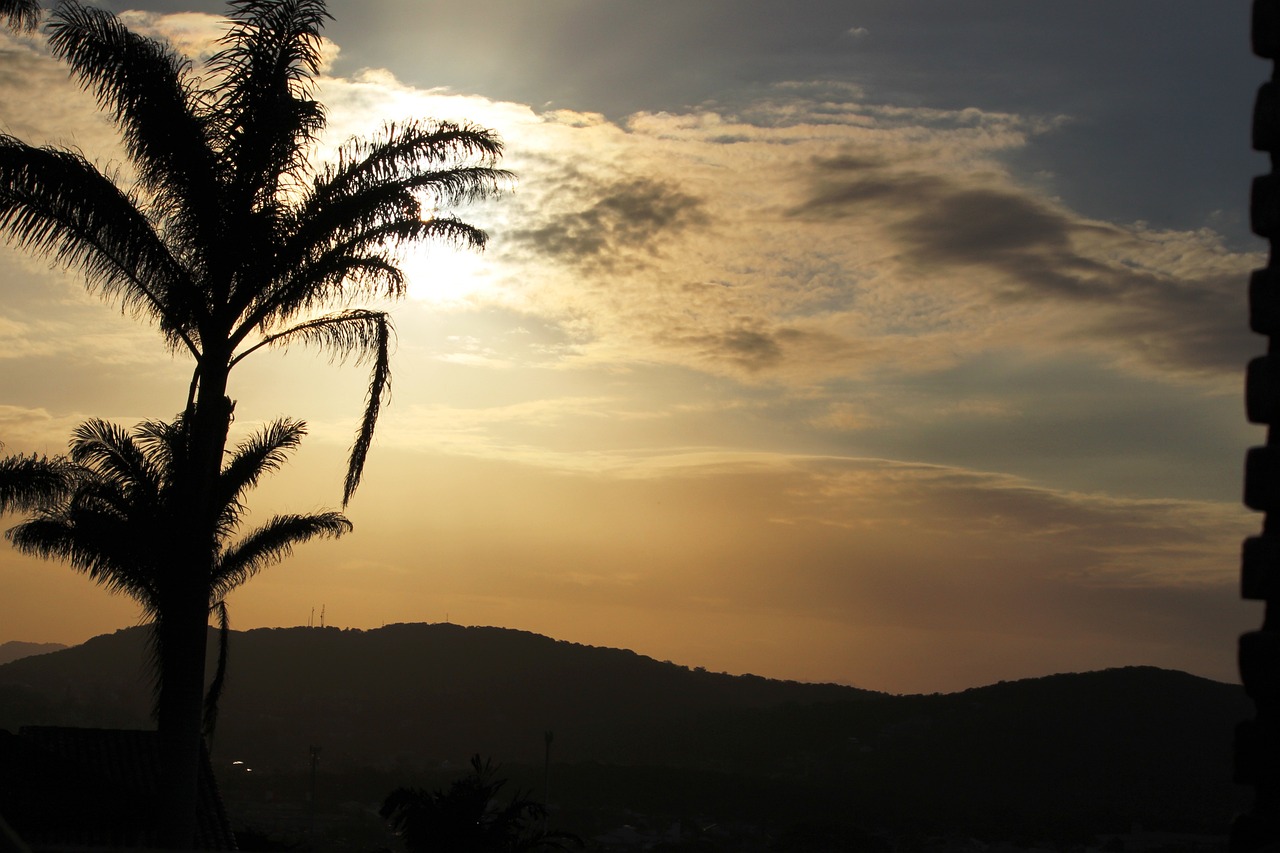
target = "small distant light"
x: 248, y: 770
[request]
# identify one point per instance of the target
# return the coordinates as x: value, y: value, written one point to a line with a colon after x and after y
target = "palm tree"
x: 231, y: 241
x: 109, y: 512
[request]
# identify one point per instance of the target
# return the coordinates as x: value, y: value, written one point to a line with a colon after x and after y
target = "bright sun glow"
x: 445, y: 275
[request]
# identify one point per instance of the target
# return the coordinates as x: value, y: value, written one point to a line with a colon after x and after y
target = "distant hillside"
x: 424, y: 692
x: 15, y: 649
x: 1075, y: 753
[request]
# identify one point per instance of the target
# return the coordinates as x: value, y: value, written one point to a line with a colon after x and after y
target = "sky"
x: 895, y: 343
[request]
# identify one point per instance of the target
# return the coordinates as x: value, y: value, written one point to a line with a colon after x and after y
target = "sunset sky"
x: 888, y: 342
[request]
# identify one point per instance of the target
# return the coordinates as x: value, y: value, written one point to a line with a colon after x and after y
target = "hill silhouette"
x: 15, y: 649
x: 418, y: 691
x: 1063, y: 756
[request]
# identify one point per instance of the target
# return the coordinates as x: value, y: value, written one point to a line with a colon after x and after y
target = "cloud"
x: 756, y: 347
x: 1119, y: 286
x: 810, y: 235
x: 198, y: 35
x: 985, y: 226
x: 192, y: 34
x: 63, y: 115
x: 619, y: 222
x: 834, y: 241
x: 752, y: 348
x: 22, y: 428
x: 841, y: 197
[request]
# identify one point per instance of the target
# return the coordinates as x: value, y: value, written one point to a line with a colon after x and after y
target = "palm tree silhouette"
x: 230, y: 241
x: 110, y: 514
x: 30, y: 482
x: 20, y: 14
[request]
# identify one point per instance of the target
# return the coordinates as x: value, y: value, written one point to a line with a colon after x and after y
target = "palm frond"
x: 362, y: 263
x: 388, y: 178
x: 408, y: 150
x: 163, y: 444
x: 270, y: 41
x: 271, y: 543
x: 98, y: 497
x: 336, y: 275
x: 371, y: 201
x: 372, y: 230
x: 263, y: 452
x: 355, y: 332
x: 55, y: 203
x: 379, y: 390
x: 21, y: 15
x: 151, y: 94
x: 112, y: 453
x: 31, y: 482
x: 447, y: 187
x: 214, y: 695
x: 102, y: 551
x: 267, y: 118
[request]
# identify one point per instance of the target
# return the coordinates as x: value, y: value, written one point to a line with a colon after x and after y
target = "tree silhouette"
x: 20, y: 14
x: 111, y: 512
x: 29, y: 482
x: 468, y: 818
x: 230, y: 240
x: 24, y: 479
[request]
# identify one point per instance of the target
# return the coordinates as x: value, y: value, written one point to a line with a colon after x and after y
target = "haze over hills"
x: 1072, y: 754
x: 16, y: 649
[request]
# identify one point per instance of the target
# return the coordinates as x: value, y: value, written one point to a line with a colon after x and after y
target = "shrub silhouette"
x: 468, y: 818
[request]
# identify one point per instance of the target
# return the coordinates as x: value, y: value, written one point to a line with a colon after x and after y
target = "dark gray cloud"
x: 753, y: 346
x: 837, y: 198
x: 981, y: 225
x: 940, y: 219
x: 617, y: 221
x: 750, y: 348
x: 1035, y: 250
x: 1199, y: 324
x: 1177, y: 323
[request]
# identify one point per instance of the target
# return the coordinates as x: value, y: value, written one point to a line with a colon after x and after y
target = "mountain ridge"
x: 1069, y: 753
x: 15, y: 650
x: 18, y: 649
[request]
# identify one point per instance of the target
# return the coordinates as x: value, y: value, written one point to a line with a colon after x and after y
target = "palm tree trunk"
x: 182, y: 648
x: 184, y: 636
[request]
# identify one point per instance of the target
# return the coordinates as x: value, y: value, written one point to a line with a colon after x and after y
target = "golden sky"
x: 899, y: 353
